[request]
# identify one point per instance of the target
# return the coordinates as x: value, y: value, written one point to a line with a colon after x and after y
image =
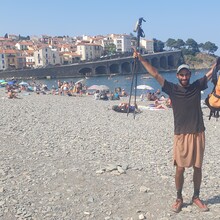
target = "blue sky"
x: 165, y: 19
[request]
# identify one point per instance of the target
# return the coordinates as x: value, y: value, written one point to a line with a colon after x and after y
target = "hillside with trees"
x: 197, y: 55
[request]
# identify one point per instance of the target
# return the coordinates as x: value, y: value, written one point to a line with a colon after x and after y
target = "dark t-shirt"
x: 186, y: 104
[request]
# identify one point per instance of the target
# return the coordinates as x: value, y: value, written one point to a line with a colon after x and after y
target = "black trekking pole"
x: 135, y: 67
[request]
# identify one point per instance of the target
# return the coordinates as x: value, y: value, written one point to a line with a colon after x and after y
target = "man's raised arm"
x: 152, y: 70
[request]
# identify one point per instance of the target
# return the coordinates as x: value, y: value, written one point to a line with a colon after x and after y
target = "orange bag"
x: 213, y: 101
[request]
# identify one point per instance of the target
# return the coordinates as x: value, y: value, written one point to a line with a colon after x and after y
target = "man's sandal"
x: 197, y: 202
x: 177, y: 206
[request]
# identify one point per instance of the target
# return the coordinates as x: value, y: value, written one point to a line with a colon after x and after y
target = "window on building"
x: 2, y: 55
x: 3, y: 61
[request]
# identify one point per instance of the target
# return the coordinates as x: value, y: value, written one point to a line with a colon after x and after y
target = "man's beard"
x: 184, y: 83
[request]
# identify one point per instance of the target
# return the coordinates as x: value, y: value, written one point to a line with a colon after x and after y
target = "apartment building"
x: 69, y: 57
x: 24, y: 45
x: 13, y: 59
x: 122, y: 43
x: 147, y: 46
x: 45, y: 56
x: 89, y: 51
x: 29, y: 56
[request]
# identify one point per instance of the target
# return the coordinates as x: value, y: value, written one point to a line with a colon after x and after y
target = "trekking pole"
x: 135, y: 67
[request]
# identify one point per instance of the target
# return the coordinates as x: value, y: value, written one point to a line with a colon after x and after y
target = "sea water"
x: 124, y: 81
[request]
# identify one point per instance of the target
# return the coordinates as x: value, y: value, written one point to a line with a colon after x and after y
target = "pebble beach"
x: 74, y: 158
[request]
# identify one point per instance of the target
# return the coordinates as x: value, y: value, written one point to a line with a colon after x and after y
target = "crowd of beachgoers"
x: 65, y: 88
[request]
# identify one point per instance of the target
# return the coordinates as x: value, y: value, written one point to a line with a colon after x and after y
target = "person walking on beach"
x: 189, y: 136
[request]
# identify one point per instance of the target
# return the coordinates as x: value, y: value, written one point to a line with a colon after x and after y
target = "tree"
x: 192, y: 46
x: 158, y: 45
x: 210, y: 47
x: 6, y: 35
x: 170, y: 43
x: 201, y: 46
x: 110, y: 48
x: 179, y: 44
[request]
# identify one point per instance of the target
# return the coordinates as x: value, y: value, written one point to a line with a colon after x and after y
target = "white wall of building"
x: 89, y: 51
x: 147, y: 45
x: 122, y: 42
x: 46, y: 56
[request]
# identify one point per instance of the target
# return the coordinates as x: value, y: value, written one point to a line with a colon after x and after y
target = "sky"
x: 196, y: 19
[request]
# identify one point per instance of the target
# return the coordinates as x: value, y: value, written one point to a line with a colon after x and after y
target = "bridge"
x: 163, y: 61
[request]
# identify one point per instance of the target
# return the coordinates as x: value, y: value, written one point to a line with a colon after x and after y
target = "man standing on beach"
x: 189, y: 137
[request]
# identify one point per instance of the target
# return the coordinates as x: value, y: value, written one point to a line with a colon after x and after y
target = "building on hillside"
x: 20, y: 62
x: 122, y: 43
x: 13, y: 37
x: 108, y: 45
x: 29, y: 56
x: 45, y: 56
x: 89, y: 51
x: 147, y: 46
x: 69, y: 58
x: 24, y: 45
x: 13, y: 59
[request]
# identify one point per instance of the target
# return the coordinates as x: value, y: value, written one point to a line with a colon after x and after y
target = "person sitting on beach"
x: 149, y: 96
x: 116, y: 96
x: 65, y: 88
x: 123, y: 93
x: 11, y: 94
x: 97, y: 95
x: 103, y: 95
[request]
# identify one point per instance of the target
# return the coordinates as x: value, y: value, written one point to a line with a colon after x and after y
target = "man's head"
x: 183, y: 75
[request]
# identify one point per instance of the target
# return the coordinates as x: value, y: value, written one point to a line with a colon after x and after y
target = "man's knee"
x: 180, y: 170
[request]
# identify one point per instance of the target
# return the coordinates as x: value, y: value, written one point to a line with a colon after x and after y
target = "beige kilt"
x: 188, y: 149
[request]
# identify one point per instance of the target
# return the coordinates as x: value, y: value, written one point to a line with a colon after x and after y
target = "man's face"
x: 184, y: 77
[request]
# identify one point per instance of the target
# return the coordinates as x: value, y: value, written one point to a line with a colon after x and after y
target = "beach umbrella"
x: 11, y: 82
x: 23, y: 83
x: 94, y: 87
x: 2, y: 80
x: 83, y: 81
x: 145, y: 87
x: 103, y: 87
x: 4, y: 83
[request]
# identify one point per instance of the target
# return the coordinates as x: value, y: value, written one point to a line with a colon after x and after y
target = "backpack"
x: 213, y: 99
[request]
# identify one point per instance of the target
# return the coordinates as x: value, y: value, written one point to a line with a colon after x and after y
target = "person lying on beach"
x: 159, y: 105
x: 123, y: 108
